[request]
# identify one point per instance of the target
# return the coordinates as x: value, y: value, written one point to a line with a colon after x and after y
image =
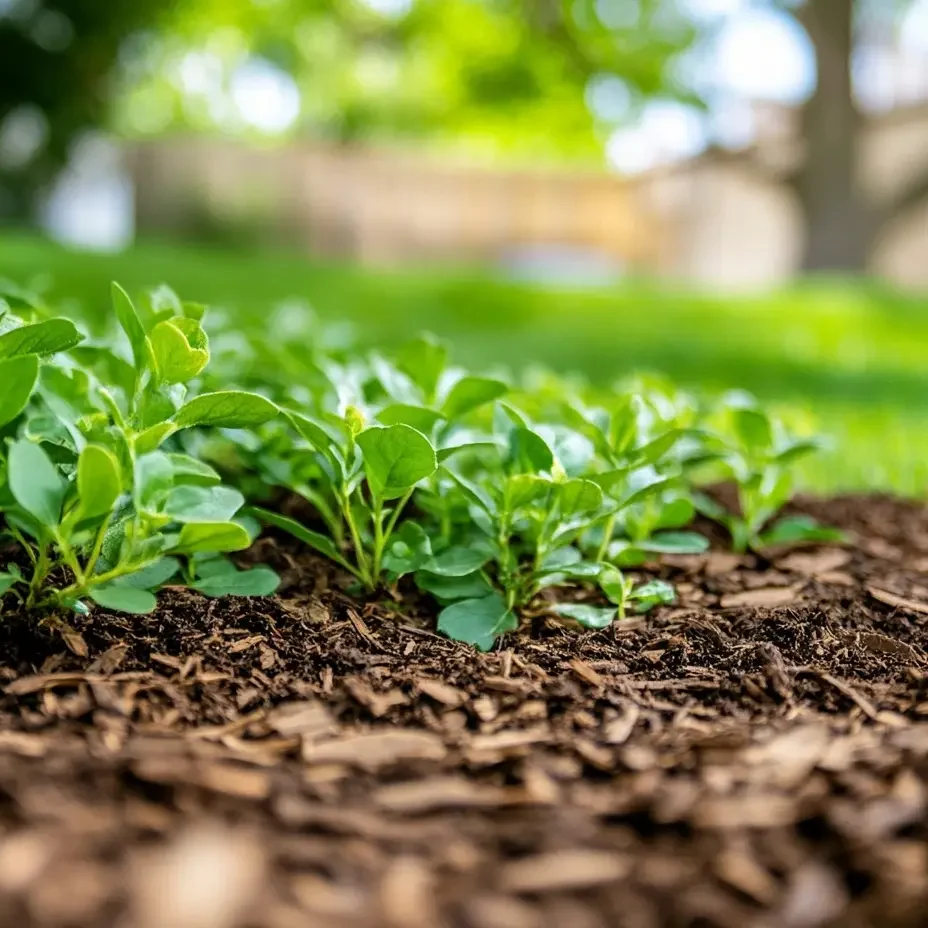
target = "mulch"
x: 755, y: 755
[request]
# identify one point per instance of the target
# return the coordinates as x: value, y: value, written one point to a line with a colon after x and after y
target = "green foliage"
x: 755, y: 450
x: 129, y: 463
x: 94, y: 490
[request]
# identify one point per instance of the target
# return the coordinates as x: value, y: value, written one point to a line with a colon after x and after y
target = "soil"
x: 755, y: 755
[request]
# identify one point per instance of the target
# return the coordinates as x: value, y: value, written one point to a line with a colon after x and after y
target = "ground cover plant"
x: 100, y: 504
x: 128, y: 463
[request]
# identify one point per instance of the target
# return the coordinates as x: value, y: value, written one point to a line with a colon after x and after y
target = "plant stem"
x: 608, y: 532
x: 359, y: 553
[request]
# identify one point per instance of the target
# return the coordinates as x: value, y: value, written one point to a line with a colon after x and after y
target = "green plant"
x: 100, y: 502
x: 530, y: 513
x: 755, y: 450
x: 359, y: 480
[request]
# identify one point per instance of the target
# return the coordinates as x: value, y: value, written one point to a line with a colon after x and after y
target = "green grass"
x: 852, y: 355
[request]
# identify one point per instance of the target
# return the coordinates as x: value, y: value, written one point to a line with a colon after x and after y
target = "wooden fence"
x: 383, y: 206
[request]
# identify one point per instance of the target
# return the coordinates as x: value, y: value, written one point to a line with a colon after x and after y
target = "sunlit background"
x: 731, y: 191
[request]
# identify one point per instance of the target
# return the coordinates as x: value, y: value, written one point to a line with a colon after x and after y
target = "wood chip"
x: 764, y: 597
x: 450, y: 792
x: 586, y: 673
x: 617, y: 731
x: 375, y: 749
x: 563, y: 871
x: 441, y: 692
x: 38, y: 682
x: 310, y: 719
x: 899, y: 602
x: 814, y: 563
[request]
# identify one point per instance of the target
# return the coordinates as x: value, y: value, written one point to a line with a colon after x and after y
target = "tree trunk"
x: 840, y: 223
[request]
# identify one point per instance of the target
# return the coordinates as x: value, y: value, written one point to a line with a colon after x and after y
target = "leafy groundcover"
x: 670, y: 701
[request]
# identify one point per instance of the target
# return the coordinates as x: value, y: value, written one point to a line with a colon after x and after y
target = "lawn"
x: 852, y: 356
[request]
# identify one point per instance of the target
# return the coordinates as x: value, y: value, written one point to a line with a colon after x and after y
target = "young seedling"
x: 530, y: 515
x: 622, y: 592
x: 758, y: 454
x: 360, y: 481
x: 98, y: 508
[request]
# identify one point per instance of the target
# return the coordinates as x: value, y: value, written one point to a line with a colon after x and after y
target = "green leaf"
x: 651, y: 594
x: 587, y: 616
x: 470, y: 393
x: 18, y: 378
x: 228, y: 409
x: 152, y: 438
x: 408, y: 549
x: 529, y: 452
x: 797, y: 450
x: 578, y: 496
x: 150, y: 577
x: 473, y: 493
x: 220, y: 537
x: 423, y: 360
x: 190, y: 470
x: 467, y: 446
x: 124, y: 599
x: 459, y: 561
x: 676, y: 513
x: 652, y: 452
x: 523, y: 489
x: 203, y: 504
x: 396, y: 458
x: 615, y: 585
x: 259, y: 581
x: 450, y: 589
x: 176, y: 360
x: 99, y: 481
x: 40, y: 338
x: 753, y: 428
x: 35, y: 482
x: 477, y: 621
x: 315, y: 540
x: 800, y: 529
x: 320, y: 435
x: 675, y: 543
x: 7, y: 581
x: 130, y: 323
x: 419, y: 417
x: 153, y: 480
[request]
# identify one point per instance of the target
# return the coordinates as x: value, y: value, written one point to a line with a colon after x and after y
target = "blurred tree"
x: 843, y: 219
x: 57, y: 61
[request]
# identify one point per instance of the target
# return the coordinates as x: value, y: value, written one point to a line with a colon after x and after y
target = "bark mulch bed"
x: 756, y: 755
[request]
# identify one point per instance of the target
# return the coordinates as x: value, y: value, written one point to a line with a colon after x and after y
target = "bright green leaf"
x: 176, y: 360
x: 259, y: 581
x: 477, y: 621
x: 99, y: 481
x: 124, y: 599
x: 458, y: 561
x: 753, y: 428
x: 130, y: 323
x: 529, y: 452
x: 202, y: 504
x: 218, y: 537
x: 315, y: 540
x: 152, y: 576
x: 578, y: 496
x: 35, y: 482
x: 470, y: 393
x: 419, y: 417
x: 585, y: 615
x: 18, y: 378
x: 396, y: 458
x: 39, y: 338
x: 229, y: 409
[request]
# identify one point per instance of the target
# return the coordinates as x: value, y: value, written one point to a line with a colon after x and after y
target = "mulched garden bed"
x: 756, y: 755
